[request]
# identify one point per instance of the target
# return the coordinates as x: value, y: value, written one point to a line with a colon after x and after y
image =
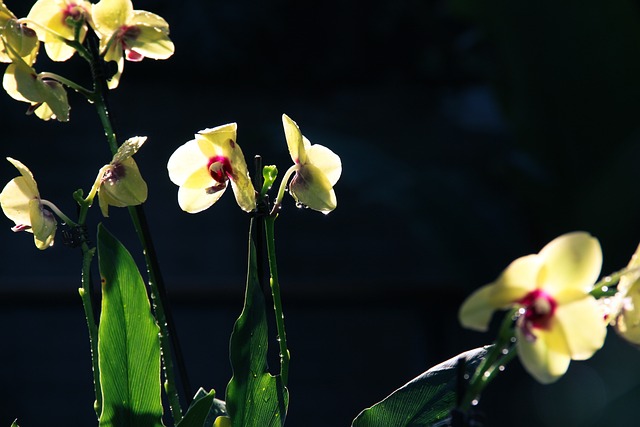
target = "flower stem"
x: 501, y: 353
x: 269, y: 222
x: 85, y: 295
x: 156, y: 283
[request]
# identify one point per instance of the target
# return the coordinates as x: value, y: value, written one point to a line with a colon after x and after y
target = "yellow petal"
x: 325, y: 160
x: 244, y: 192
x: 15, y: 198
x: 517, y: 280
x: 152, y: 43
x: 476, y: 311
x: 43, y: 225
x: 187, y: 160
x: 294, y: 140
x: 148, y: 19
x: 312, y: 189
x: 572, y: 260
x: 583, y: 325
x: 544, y: 364
x: 196, y: 200
x: 217, y: 138
x: 109, y: 15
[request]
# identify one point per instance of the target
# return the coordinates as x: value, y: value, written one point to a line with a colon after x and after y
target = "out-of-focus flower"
x: 119, y: 183
x: 18, y: 40
x: 222, y: 421
x: 56, y: 20
x: 203, y: 166
x: 624, y: 307
x: 559, y: 320
x: 134, y: 34
x: 21, y: 203
x: 317, y: 169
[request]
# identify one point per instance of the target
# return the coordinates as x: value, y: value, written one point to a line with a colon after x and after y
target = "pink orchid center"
x: 125, y: 35
x: 220, y: 169
x: 539, y: 308
x: 73, y: 11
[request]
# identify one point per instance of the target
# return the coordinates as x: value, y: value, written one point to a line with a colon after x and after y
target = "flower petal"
x: 583, y: 325
x: 311, y: 188
x: 43, y: 225
x: 152, y: 43
x: 109, y: 15
x: 517, y: 280
x: 194, y: 200
x: 476, y: 311
x: 325, y: 160
x: 15, y: 198
x: 294, y: 140
x: 218, y: 137
x: 188, y: 160
x: 544, y: 364
x: 572, y: 260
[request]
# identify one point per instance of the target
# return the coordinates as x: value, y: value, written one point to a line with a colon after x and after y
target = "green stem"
x: 85, y: 295
x: 156, y: 284
x: 269, y: 222
x: 501, y: 353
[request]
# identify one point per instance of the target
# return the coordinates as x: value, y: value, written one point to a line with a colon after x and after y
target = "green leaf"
x: 15, y: 423
x: 422, y: 401
x: 255, y: 398
x: 128, y: 342
x: 203, y: 410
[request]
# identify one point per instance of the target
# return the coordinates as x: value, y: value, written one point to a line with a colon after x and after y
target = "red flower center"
x: 539, y: 307
x: 220, y: 169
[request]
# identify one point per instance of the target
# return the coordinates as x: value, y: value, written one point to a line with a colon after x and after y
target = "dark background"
x: 471, y: 133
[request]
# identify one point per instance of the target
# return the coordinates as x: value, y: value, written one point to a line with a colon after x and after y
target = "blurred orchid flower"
x: 559, y: 319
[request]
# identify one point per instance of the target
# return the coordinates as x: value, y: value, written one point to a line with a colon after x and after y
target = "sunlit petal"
x: 583, y: 325
x: 544, y: 364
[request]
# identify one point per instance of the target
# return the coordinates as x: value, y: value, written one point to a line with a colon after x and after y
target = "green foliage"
x: 254, y: 396
x: 422, y: 401
x: 128, y: 343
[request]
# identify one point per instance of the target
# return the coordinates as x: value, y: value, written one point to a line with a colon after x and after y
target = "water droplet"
x: 513, y: 339
x: 474, y: 402
x: 486, y: 374
x: 607, y: 279
x: 501, y: 368
x: 466, y: 376
x: 605, y: 288
x: 505, y: 351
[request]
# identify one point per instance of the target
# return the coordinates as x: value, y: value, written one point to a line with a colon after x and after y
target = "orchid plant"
x: 557, y: 308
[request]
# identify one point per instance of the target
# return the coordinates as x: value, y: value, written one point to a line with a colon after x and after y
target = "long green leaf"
x: 128, y: 343
x: 254, y: 397
x: 424, y: 400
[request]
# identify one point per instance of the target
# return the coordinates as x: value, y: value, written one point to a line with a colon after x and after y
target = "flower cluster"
x: 203, y: 166
x: 62, y: 26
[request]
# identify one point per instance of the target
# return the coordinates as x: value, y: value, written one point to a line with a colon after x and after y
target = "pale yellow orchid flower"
x: 624, y: 307
x: 21, y: 203
x: 317, y: 169
x: 128, y: 33
x: 203, y: 166
x: 120, y: 183
x: 559, y: 319
x: 55, y: 22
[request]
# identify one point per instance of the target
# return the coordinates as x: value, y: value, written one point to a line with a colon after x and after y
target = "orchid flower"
x: 316, y: 169
x: 21, y: 203
x: 203, y: 166
x: 624, y: 306
x: 119, y: 183
x: 559, y: 319
x: 125, y: 32
x: 56, y: 21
